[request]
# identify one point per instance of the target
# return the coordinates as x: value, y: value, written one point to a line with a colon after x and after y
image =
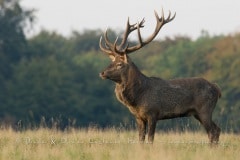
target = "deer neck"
x: 132, y: 87
x: 133, y: 78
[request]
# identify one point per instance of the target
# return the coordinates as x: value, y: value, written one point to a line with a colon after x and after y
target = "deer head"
x: 121, y: 63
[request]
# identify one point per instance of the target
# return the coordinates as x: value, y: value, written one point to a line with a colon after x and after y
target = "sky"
x: 192, y: 16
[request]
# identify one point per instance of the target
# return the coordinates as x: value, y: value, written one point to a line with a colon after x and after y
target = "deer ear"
x: 113, y: 58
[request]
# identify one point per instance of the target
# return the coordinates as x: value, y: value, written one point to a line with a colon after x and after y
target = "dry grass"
x: 93, y: 144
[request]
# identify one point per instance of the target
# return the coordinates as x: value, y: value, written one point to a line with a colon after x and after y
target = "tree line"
x: 52, y: 80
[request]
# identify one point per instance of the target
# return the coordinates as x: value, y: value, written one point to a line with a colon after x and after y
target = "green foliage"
x: 53, y: 80
x: 84, y: 42
x: 13, y: 21
x: 46, y: 44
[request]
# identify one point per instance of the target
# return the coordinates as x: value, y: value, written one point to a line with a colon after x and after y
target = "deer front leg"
x: 151, y: 129
x: 141, y: 129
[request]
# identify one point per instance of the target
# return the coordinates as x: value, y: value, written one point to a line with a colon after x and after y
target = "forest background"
x: 51, y: 80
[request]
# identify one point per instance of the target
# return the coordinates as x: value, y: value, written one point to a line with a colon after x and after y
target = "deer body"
x: 150, y: 99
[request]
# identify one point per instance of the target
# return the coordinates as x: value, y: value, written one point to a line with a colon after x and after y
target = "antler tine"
x: 105, y: 50
x: 139, y: 34
x: 169, y: 16
x: 160, y: 22
x: 130, y: 28
x: 133, y: 48
x: 108, y: 43
x: 170, y: 19
x: 115, y: 46
x: 157, y: 16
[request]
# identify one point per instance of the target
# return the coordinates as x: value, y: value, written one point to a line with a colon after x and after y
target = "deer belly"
x: 176, y: 114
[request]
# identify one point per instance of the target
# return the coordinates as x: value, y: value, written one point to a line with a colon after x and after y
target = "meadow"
x: 95, y: 144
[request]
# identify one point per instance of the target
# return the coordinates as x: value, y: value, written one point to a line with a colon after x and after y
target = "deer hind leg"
x: 215, y: 133
x: 212, y: 129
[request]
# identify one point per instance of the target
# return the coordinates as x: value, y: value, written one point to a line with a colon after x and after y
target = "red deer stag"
x: 149, y: 98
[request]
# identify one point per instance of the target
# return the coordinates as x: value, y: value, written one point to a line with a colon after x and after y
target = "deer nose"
x: 102, y: 75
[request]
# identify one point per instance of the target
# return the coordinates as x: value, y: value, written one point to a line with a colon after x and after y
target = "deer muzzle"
x: 102, y: 75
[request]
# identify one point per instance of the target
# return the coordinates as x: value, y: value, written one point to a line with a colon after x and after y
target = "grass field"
x: 93, y: 144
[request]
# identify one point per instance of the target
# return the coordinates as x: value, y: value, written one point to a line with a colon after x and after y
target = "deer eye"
x: 119, y: 65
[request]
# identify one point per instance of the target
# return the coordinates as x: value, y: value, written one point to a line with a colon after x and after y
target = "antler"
x: 160, y: 22
x: 129, y: 29
x: 113, y: 49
